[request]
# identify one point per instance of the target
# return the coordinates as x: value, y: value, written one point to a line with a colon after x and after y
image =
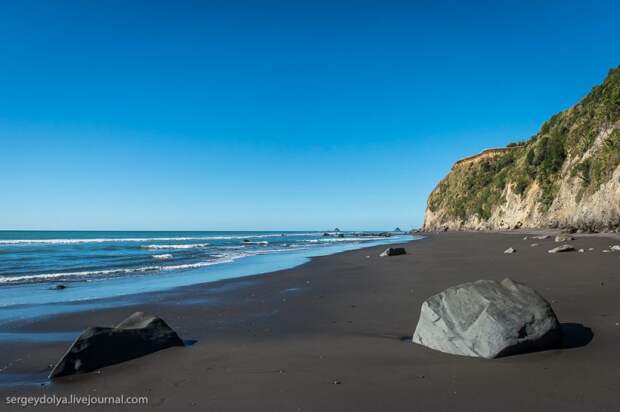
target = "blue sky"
x: 273, y: 114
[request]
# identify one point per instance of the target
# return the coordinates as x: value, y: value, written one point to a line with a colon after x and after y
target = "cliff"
x: 567, y: 175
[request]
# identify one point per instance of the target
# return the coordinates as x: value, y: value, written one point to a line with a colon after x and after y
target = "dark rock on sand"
x: 97, y: 347
x: 563, y: 248
x: 393, y: 251
x: 488, y: 319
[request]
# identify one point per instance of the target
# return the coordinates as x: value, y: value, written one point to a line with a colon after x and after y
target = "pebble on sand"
x: 563, y: 248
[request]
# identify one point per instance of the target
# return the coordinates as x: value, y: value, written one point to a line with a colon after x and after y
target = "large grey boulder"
x: 97, y: 347
x: 487, y: 319
x: 393, y: 251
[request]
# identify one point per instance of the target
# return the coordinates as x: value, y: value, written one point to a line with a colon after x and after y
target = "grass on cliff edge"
x: 476, y: 189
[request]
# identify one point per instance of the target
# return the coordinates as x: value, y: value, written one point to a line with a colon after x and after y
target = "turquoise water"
x: 98, y: 265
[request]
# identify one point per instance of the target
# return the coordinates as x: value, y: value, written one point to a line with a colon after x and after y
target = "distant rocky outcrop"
x: 97, y: 347
x: 567, y: 175
x: 487, y: 319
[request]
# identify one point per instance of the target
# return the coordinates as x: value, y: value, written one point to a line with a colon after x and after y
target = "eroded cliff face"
x: 567, y: 175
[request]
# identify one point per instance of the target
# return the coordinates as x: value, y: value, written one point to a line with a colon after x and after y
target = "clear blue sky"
x: 273, y: 114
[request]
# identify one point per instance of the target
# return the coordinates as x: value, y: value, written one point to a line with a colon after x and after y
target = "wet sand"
x: 334, y: 335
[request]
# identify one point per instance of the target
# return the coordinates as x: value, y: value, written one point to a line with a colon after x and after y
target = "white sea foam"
x: 163, y: 256
x: 107, y: 272
x: 266, y: 252
x: 149, y: 239
x: 99, y: 240
x: 188, y: 246
x: 343, y: 239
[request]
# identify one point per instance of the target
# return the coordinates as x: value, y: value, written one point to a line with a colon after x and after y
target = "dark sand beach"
x: 334, y: 335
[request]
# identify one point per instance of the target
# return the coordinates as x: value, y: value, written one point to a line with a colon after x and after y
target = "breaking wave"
x: 163, y: 256
x: 188, y: 246
x: 109, y: 272
x: 139, y: 239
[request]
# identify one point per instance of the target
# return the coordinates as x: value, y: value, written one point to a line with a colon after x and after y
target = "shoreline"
x: 44, y: 302
x: 342, y: 318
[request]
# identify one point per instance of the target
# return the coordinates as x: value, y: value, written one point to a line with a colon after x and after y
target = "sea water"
x: 98, y: 265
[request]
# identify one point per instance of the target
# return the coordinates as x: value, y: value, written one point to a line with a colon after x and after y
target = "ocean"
x: 103, y: 264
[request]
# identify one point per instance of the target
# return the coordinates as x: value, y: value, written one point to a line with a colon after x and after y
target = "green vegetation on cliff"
x: 560, y: 148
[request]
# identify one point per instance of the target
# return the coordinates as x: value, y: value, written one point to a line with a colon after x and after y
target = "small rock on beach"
x: 393, y: 251
x: 563, y: 248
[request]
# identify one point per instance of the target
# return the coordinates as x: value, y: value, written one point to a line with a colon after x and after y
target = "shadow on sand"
x: 575, y: 335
